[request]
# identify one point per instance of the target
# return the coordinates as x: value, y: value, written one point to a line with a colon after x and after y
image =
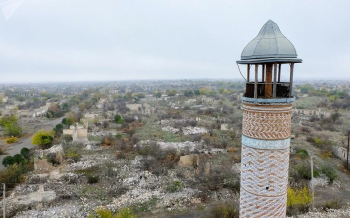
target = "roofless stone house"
x: 267, y: 112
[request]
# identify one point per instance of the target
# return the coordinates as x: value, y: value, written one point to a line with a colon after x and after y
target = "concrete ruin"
x: 78, y: 132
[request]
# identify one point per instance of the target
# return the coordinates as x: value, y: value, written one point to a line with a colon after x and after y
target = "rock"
x: 189, y: 160
x: 55, y: 175
x: 59, y: 157
x: 207, y: 169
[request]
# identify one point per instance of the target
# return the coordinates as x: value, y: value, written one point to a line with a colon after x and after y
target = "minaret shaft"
x: 265, y: 159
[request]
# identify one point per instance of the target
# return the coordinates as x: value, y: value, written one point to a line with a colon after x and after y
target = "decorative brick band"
x: 264, y: 172
x: 265, y: 144
x: 267, y: 122
x: 258, y: 206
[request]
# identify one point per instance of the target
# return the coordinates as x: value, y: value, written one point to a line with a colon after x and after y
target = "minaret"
x: 267, y: 112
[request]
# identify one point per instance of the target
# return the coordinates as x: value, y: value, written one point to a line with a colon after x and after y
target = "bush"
x: 329, y: 172
x: 8, y: 161
x: 43, y: 138
x: 25, y: 153
x: 13, y: 129
x: 51, y: 158
x: 117, y: 117
x: 298, y: 200
x: 91, y: 179
x: 224, y: 211
x: 125, y: 213
x: 106, y: 213
x: 18, y: 158
x: 109, y: 141
x: 174, y: 186
x: 11, y: 140
x: 303, y: 154
x: 13, y: 174
x: 72, y: 153
x: 232, y: 182
x: 304, y: 171
x: 67, y: 138
x: 335, y: 203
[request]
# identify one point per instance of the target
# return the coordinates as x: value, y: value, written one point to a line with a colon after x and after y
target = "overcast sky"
x: 84, y: 40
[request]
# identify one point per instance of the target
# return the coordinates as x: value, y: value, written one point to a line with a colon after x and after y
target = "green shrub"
x: 125, y: 213
x: 174, y: 186
x: 25, y: 153
x: 8, y: 161
x: 317, y: 140
x: 304, y: 171
x: 224, y: 211
x: 329, y: 172
x: 303, y: 154
x: 13, y: 129
x: 91, y: 179
x: 335, y: 203
x: 13, y: 174
x: 232, y: 183
x: 72, y: 153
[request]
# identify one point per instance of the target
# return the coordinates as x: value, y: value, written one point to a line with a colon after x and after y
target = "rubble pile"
x: 170, y: 129
x: 181, y: 146
x: 189, y: 130
x: 65, y: 210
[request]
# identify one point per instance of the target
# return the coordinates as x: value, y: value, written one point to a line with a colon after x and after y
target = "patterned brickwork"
x: 259, y: 206
x: 265, y: 159
x: 267, y: 122
x: 264, y: 172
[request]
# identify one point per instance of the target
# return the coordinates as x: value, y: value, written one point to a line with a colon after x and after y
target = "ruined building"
x: 78, y: 132
x: 266, y: 132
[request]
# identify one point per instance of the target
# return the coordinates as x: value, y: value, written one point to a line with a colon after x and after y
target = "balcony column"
x: 256, y: 81
x: 274, y: 80
x: 279, y: 73
x: 291, y: 79
x: 248, y: 72
x: 263, y: 73
x: 268, y: 83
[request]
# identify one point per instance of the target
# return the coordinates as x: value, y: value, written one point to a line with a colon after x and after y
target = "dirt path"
x: 27, y: 142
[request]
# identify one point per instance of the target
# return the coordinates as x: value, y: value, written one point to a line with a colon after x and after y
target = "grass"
x: 93, y: 191
x: 95, y: 138
x: 145, y: 206
x: 150, y: 130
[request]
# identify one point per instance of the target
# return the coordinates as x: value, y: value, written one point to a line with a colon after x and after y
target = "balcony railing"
x: 283, y: 90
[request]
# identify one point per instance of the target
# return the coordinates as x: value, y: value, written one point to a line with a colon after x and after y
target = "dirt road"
x: 16, y: 148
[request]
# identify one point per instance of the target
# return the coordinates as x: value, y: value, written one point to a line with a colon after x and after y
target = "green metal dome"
x: 269, y: 43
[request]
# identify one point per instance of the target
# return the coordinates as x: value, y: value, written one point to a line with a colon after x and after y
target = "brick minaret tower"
x: 267, y: 112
